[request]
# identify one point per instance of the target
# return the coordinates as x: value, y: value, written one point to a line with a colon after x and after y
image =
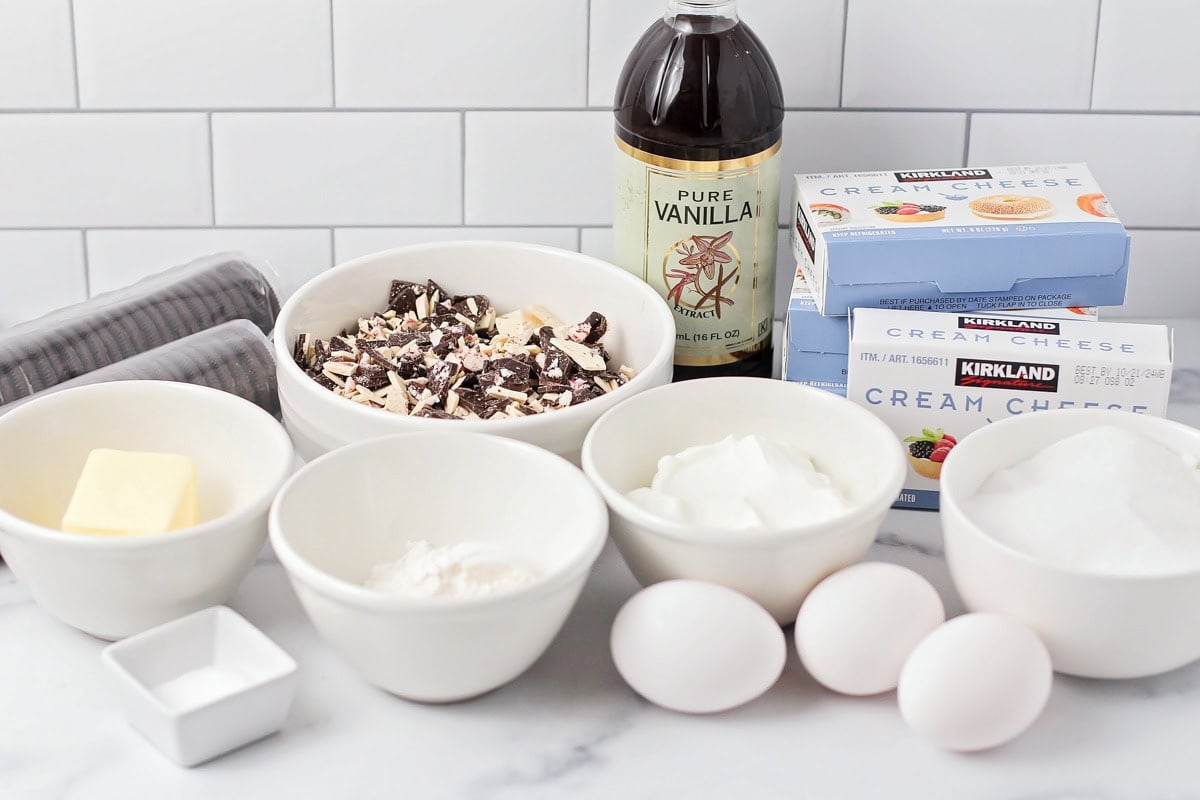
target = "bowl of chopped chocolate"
x: 517, y: 340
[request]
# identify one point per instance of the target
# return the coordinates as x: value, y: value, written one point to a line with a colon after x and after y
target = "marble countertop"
x: 570, y: 728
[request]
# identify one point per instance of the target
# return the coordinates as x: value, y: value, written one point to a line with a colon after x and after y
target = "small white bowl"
x: 203, y: 685
x: 358, y: 506
x: 776, y: 567
x: 513, y: 275
x: 115, y: 586
x: 1094, y: 625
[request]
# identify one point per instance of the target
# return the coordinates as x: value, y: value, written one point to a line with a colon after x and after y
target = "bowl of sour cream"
x: 762, y: 486
x: 1084, y: 524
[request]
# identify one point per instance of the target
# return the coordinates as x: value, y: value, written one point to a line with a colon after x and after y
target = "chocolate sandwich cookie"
x: 116, y: 325
x: 234, y: 357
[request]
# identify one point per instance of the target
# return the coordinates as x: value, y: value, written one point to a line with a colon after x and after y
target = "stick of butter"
x: 124, y: 493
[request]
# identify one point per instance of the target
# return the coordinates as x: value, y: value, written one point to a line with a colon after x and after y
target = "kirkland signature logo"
x: 941, y: 175
x: 1006, y: 375
x: 1004, y: 324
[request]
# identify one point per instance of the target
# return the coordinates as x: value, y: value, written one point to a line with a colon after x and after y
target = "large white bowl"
x: 1094, y: 625
x: 776, y: 567
x: 112, y: 587
x: 358, y: 506
x: 513, y: 275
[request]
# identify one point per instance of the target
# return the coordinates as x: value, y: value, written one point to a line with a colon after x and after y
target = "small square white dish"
x: 202, y: 685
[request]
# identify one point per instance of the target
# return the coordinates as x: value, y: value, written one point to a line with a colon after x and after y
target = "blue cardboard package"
x: 959, y: 239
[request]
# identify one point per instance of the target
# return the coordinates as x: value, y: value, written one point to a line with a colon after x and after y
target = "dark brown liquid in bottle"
x: 702, y: 89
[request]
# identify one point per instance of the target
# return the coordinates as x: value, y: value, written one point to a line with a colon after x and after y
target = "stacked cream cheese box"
x: 902, y: 284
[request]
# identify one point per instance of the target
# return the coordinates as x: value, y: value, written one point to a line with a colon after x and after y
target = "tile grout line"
x: 462, y: 168
x: 1095, y: 57
x: 346, y: 110
x: 212, y: 174
x: 406, y: 227
x: 587, y: 55
x: 74, y: 50
x: 332, y: 60
x: 332, y: 248
x: 967, y: 139
x: 845, y: 38
x: 87, y: 267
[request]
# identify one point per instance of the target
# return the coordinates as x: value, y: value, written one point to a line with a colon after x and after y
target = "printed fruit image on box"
x: 927, y: 452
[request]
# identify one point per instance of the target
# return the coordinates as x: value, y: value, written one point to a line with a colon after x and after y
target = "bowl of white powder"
x: 439, y: 565
x: 762, y: 486
x: 1084, y: 525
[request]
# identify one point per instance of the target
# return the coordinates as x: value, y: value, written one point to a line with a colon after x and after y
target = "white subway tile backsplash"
x: 1148, y: 166
x: 1022, y: 54
x: 203, y: 53
x: 1164, y: 276
x: 42, y: 271
x: 596, y: 242
x: 118, y: 258
x: 539, y: 167
x: 512, y: 54
x: 210, y: 125
x: 363, y: 168
x: 36, y: 66
x: 65, y: 170
x: 803, y: 38
x: 837, y: 141
x: 351, y: 243
x: 1146, y: 56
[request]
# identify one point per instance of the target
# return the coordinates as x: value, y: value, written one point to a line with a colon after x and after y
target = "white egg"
x: 858, y: 626
x: 976, y: 682
x: 696, y: 647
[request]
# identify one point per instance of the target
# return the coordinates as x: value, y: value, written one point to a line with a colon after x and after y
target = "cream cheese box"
x: 936, y: 377
x: 1041, y: 236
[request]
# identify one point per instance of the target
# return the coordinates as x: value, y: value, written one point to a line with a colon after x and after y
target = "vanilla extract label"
x: 1016, y: 375
x: 1048, y: 327
x: 703, y: 235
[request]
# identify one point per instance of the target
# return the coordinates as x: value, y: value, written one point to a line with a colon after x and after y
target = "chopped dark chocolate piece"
x: 441, y: 375
x: 337, y: 344
x: 373, y: 378
x: 598, y: 325
x: 432, y: 413
x: 401, y: 339
x: 322, y: 380
x: 409, y: 367
x: 432, y: 287
x: 403, y: 296
x: 300, y: 351
x: 508, y: 373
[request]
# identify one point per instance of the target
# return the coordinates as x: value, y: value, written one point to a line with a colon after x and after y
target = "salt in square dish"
x: 204, y: 684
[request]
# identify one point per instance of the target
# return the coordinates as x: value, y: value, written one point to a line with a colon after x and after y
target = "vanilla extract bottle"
x: 699, y: 118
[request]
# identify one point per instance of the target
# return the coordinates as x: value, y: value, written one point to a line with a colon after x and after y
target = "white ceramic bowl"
x: 513, y: 275
x: 776, y: 567
x: 1096, y: 626
x: 112, y: 587
x: 358, y: 506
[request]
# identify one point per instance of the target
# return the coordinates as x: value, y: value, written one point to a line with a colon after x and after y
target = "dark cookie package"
x: 155, y: 311
x: 234, y: 357
x: 434, y: 354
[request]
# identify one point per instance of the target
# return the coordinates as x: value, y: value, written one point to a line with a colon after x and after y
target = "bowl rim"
x: 12, y: 525
x: 731, y: 538
x: 301, y: 569
x: 292, y: 379
x: 971, y: 527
